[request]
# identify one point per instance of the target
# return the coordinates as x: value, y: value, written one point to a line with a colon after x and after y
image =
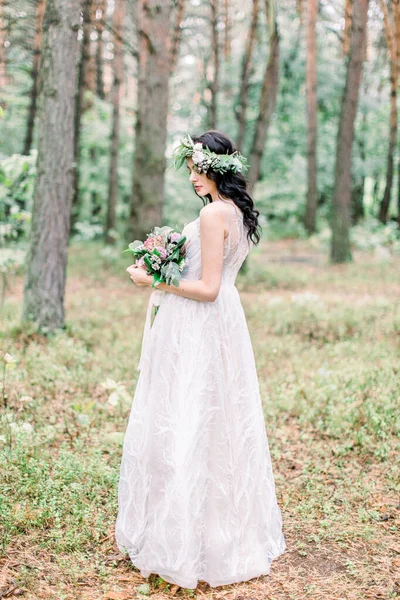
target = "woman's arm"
x: 205, y: 289
x: 212, y: 231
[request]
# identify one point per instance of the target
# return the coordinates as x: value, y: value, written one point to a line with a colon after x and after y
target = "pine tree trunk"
x: 340, y: 214
x: 385, y: 204
x: 99, y: 50
x: 176, y: 38
x: 312, y: 194
x: 268, y: 97
x: 227, y: 41
x: 90, y: 74
x: 118, y: 68
x: 243, y: 98
x: 47, y: 259
x: 357, y: 201
x: 398, y: 192
x: 392, y: 40
x: 347, y: 26
x: 79, y: 106
x: 153, y: 18
x: 214, y: 84
x: 37, y: 45
x: 300, y: 11
x: 357, y: 193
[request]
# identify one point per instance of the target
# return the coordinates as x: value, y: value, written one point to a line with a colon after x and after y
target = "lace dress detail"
x: 196, y: 496
x: 236, y: 247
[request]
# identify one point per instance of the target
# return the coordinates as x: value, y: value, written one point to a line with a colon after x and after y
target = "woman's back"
x: 236, y: 244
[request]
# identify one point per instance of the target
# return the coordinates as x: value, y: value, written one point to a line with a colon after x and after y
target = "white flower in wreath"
x: 198, y: 157
x: 236, y: 163
x: 198, y: 147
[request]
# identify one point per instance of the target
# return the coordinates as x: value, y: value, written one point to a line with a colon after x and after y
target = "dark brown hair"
x: 229, y: 184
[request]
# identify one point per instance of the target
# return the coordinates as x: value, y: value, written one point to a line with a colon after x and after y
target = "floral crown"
x: 204, y: 159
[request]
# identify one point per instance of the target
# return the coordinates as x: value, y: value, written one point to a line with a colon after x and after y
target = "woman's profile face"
x: 200, y: 181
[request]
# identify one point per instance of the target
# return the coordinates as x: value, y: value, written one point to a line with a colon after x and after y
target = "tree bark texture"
x: 348, y: 7
x: 214, y: 84
x: 243, y: 98
x: 268, y: 96
x: 118, y: 68
x: 153, y: 19
x: 300, y: 11
x: 398, y: 192
x: 37, y: 45
x: 176, y: 38
x: 79, y: 104
x: 311, y: 84
x: 100, y: 24
x: 47, y: 258
x: 227, y: 31
x: 357, y: 211
x: 90, y: 73
x: 340, y: 213
x: 392, y: 32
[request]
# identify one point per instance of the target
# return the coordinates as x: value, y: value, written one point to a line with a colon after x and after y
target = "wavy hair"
x: 231, y: 185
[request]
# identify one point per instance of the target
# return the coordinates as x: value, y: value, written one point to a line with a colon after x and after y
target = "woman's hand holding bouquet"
x: 160, y: 258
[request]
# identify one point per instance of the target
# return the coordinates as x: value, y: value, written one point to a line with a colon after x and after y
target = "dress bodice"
x: 236, y: 247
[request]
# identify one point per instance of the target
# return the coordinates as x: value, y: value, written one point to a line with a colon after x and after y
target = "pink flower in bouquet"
x: 154, y: 242
x: 175, y: 236
x: 140, y: 262
x: 162, y: 251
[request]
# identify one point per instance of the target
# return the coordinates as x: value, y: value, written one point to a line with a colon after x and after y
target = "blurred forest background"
x: 316, y: 117
x: 94, y: 96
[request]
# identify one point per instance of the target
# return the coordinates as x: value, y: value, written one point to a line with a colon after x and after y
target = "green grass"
x: 327, y: 347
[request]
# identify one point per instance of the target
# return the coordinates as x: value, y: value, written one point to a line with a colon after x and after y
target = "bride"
x: 196, y: 496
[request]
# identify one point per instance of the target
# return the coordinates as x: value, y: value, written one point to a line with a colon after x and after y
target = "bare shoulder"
x: 210, y: 209
x: 212, y: 217
x: 211, y: 212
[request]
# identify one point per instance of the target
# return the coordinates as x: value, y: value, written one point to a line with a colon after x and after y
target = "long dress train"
x: 196, y: 494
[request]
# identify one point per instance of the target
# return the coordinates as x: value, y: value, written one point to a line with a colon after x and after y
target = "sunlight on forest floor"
x: 327, y: 347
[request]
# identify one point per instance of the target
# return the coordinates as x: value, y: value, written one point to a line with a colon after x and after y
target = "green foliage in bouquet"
x: 162, y: 253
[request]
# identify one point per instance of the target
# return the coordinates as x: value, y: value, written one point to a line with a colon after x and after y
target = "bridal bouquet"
x: 162, y: 254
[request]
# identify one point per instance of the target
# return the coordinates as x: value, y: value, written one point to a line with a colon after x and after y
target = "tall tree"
x: 100, y: 24
x: 153, y: 20
x: 79, y: 105
x: 347, y: 26
x: 392, y: 32
x: 357, y: 210
x: 90, y: 73
x: 37, y: 45
x: 118, y: 72
x: 311, y: 85
x: 269, y: 92
x: 176, y: 36
x: 300, y: 10
x: 47, y: 259
x: 214, y: 83
x: 398, y: 192
x: 243, y: 97
x: 227, y: 41
x: 340, y: 214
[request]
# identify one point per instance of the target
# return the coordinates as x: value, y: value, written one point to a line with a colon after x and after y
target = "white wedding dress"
x: 196, y: 494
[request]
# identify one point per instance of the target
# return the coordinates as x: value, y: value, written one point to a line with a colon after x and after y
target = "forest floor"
x: 327, y: 347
